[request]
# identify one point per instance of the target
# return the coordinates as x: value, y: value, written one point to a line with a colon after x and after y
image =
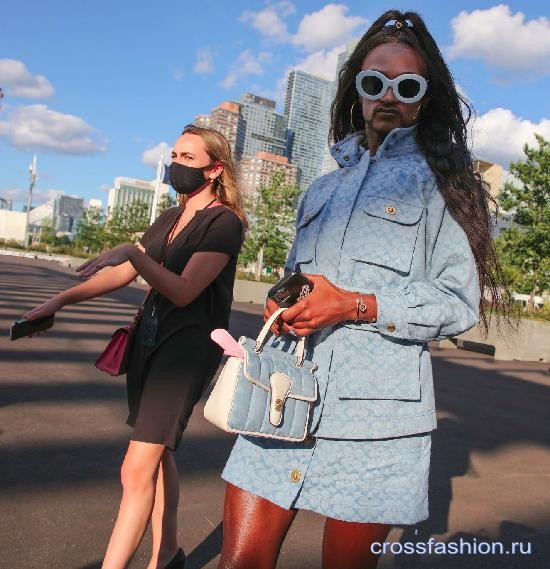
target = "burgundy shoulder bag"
x: 114, y: 358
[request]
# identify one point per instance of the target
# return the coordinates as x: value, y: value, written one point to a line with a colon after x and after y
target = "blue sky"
x: 98, y: 88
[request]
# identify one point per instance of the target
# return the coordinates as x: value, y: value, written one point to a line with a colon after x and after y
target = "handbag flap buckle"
x: 280, y: 388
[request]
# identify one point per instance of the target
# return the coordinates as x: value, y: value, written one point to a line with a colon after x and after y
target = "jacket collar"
x: 348, y: 152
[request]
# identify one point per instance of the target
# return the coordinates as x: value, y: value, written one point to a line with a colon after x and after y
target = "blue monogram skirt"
x: 375, y: 480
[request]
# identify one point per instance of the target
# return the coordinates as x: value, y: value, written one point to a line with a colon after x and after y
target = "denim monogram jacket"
x: 379, y: 225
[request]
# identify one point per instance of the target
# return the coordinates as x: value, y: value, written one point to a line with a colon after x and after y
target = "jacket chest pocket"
x: 307, y: 231
x: 386, y: 233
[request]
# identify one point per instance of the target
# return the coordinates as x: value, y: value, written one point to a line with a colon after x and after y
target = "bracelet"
x: 361, y: 308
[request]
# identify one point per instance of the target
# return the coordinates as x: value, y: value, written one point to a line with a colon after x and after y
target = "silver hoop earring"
x: 353, y: 129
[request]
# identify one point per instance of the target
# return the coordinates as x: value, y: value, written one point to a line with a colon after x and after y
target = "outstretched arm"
x: 102, y: 283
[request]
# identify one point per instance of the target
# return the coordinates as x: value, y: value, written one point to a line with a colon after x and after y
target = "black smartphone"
x: 22, y: 328
x: 290, y: 289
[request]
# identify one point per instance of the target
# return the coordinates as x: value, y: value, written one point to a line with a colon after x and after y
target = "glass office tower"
x: 307, y: 111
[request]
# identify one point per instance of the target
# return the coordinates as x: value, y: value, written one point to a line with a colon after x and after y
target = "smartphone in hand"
x: 290, y: 289
x: 22, y: 328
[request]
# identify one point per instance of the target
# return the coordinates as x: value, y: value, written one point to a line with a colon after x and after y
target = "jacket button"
x: 390, y: 210
x: 306, y: 217
x: 295, y: 475
x: 390, y: 327
x: 346, y: 158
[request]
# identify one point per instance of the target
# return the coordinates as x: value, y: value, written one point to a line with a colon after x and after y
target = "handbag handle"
x: 300, y: 347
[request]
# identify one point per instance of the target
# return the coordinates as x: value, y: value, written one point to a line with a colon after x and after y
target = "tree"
x: 272, y: 214
x: 524, y: 246
x: 47, y: 233
x: 90, y: 231
x: 125, y: 222
x: 166, y: 201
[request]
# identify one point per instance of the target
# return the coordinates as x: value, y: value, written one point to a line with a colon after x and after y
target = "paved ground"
x: 62, y: 437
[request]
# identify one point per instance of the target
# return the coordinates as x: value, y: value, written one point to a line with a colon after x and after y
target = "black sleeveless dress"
x: 167, y: 375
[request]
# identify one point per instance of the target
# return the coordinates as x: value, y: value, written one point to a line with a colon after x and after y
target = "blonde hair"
x: 225, y: 185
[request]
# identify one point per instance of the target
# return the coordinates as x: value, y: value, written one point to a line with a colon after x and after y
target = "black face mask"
x: 186, y: 179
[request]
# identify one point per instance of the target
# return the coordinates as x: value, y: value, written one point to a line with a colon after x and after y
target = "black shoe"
x: 178, y: 561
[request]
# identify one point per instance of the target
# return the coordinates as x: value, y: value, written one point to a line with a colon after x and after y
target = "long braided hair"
x: 442, y: 136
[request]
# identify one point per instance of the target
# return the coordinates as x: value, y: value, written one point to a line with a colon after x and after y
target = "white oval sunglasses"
x: 407, y: 88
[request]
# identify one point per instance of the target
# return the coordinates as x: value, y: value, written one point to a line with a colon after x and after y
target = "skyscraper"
x: 256, y: 171
x: 329, y: 163
x: 307, y: 109
x: 265, y: 129
x: 227, y: 119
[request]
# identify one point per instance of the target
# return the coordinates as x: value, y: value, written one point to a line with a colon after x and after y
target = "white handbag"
x: 269, y: 393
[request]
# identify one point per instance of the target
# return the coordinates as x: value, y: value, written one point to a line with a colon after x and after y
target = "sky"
x: 99, y: 89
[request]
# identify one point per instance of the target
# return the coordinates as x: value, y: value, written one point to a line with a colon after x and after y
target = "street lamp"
x: 33, y: 176
x: 158, y: 181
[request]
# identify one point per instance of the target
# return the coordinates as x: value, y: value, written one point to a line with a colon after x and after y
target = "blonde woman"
x: 188, y: 257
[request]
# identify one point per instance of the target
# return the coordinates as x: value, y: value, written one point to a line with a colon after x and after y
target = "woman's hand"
x: 278, y: 327
x: 111, y: 258
x: 47, y: 308
x: 325, y: 306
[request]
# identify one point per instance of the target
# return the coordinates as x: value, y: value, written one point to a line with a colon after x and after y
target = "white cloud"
x: 246, y: 64
x: 499, y: 136
x: 18, y: 81
x: 327, y: 28
x: 38, y: 196
x: 205, y: 61
x: 36, y: 126
x: 269, y: 22
x: 322, y: 62
x: 502, y: 39
x: 321, y: 30
x: 151, y: 156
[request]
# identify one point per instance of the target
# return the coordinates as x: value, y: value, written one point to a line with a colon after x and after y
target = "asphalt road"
x: 63, y: 436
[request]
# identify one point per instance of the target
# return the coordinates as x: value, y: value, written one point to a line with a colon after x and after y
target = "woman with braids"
x: 188, y: 257
x: 397, y: 242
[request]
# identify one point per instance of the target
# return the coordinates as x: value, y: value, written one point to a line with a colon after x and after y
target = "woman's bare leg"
x: 253, y: 530
x: 138, y: 476
x: 164, y: 518
x: 347, y: 545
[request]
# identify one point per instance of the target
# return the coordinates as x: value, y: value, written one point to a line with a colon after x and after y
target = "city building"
x: 492, y: 174
x: 265, y: 129
x: 258, y: 170
x: 329, y: 164
x: 62, y: 212
x: 307, y: 111
x: 129, y: 190
x: 6, y: 204
x: 227, y: 119
x: 12, y: 225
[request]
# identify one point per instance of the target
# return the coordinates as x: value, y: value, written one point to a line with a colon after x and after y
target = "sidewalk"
x: 62, y: 438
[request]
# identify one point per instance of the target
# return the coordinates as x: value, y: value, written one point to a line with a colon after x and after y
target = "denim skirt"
x: 368, y: 481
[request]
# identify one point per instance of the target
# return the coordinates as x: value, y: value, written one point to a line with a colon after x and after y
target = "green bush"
x: 39, y: 248
x: 246, y: 276
x: 13, y: 244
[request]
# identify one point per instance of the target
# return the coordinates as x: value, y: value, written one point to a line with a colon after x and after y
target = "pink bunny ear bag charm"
x: 230, y: 346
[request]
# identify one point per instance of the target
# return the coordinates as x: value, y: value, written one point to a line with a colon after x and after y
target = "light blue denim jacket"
x: 379, y: 225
